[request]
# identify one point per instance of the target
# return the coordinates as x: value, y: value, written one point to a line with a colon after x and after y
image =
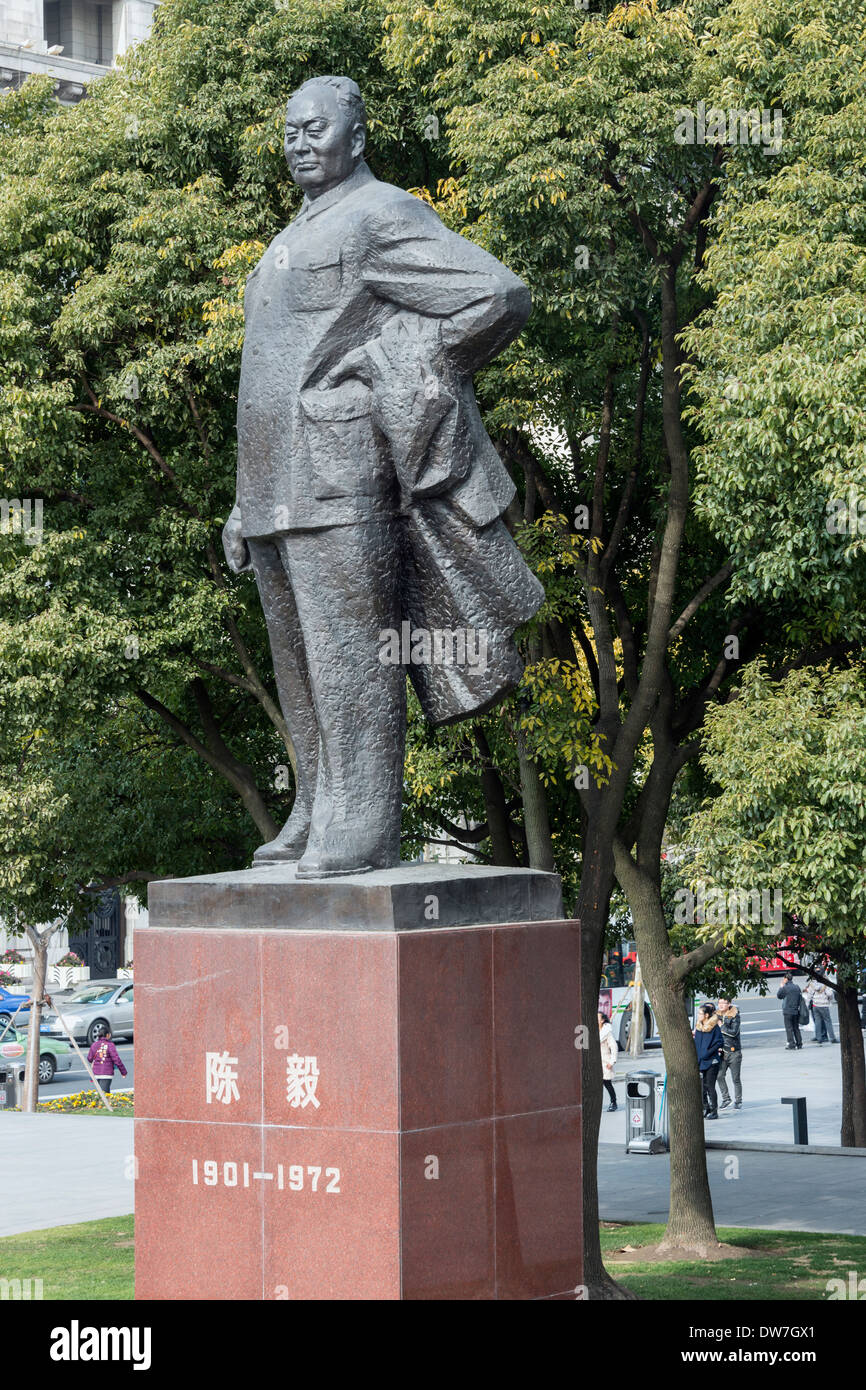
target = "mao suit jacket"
x: 370, y: 267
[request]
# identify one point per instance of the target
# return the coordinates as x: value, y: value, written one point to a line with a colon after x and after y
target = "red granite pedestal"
x: 385, y: 1114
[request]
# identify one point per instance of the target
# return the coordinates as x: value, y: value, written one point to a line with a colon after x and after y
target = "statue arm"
x: 413, y: 261
x: 456, y: 308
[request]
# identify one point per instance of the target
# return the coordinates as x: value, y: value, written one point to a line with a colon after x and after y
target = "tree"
x: 563, y: 136
x: 553, y: 141
x: 788, y: 759
x: 121, y: 333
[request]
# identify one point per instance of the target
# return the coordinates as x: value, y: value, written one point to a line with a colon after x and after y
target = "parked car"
x: 8, y: 1004
x: 54, y: 1055
x: 91, y: 1009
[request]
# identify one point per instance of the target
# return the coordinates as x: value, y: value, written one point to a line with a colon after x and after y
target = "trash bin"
x: 640, y: 1107
x: 11, y: 1085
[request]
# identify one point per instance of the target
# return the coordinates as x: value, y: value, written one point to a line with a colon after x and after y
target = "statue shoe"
x: 344, y: 852
x: 291, y: 842
x: 324, y: 865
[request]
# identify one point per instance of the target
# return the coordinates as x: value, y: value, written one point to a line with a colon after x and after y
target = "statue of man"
x: 370, y: 497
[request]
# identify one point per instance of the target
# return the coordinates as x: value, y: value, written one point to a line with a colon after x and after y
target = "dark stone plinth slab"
x: 398, y: 1114
x: 413, y: 897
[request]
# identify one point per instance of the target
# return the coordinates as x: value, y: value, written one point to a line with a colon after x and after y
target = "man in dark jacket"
x: 790, y: 995
x: 732, y: 1059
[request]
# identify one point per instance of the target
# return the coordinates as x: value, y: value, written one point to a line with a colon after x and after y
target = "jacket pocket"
x: 316, y: 282
x: 342, y: 442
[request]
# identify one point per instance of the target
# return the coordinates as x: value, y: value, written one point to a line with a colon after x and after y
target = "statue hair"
x: 348, y: 95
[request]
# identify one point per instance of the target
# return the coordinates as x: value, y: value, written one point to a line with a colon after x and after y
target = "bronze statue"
x: 370, y: 497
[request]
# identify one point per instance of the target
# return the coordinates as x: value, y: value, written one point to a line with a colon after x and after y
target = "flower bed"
x: 79, y: 1102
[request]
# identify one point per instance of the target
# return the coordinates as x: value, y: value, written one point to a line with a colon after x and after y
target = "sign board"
x: 637, y: 1117
x: 13, y: 1049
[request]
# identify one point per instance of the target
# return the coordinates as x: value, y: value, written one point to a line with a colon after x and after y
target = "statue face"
x: 323, y: 145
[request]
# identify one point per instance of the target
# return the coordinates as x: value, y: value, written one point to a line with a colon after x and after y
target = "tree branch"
x: 709, y: 587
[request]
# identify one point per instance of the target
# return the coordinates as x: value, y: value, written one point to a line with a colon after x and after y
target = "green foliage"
x: 788, y: 759
x: 779, y: 363
x: 127, y: 226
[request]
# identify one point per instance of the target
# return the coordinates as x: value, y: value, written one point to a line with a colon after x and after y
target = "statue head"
x: 326, y: 127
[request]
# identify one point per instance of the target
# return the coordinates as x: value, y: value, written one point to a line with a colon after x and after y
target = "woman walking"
x: 104, y: 1057
x: 608, y: 1056
x: 709, y: 1045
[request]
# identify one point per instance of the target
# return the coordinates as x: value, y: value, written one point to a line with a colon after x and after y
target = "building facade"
x: 73, y: 41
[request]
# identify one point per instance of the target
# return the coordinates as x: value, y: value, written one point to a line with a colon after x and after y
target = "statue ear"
x: 359, y: 141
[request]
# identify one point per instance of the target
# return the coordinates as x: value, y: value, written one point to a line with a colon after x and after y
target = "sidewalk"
x: 779, y: 1192
x: 768, y: 1074
x: 59, y: 1169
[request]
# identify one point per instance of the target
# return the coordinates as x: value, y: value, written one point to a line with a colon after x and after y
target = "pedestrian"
x: 790, y: 995
x: 104, y: 1057
x: 710, y: 1047
x: 732, y: 1057
x: 608, y: 1056
x: 819, y: 998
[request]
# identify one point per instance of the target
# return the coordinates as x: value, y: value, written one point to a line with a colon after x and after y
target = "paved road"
x: 768, y: 1074
x: 762, y: 1024
x: 65, y: 1082
x: 783, y: 1192
x: 780, y: 1191
x: 59, y: 1169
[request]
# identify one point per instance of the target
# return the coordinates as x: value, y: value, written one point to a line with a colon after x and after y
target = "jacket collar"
x: 709, y: 1025
x: 359, y: 176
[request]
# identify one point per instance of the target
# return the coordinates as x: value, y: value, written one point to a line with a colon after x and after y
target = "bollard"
x: 801, y: 1128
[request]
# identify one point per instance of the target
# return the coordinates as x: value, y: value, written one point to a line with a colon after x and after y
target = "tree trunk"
x: 691, y: 1224
x: 39, y: 941
x: 596, y: 882
x: 691, y: 1227
x: 535, y: 814
x: 853, y: 1069
x: 495, y: 808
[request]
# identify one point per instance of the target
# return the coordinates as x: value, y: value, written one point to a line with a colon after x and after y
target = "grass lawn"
x: 95, y: 1260
x: 776, y: 1265
x: 91, y: 1260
